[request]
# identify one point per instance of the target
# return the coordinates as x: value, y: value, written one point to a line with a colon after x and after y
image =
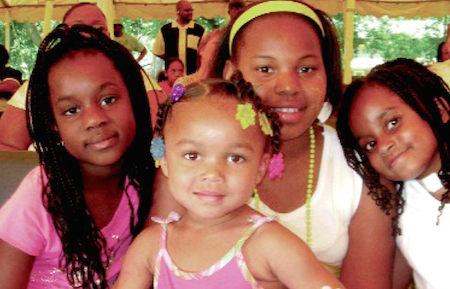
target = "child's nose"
x: 385, y: 144
x: 212, y: 172
x: 94, y: 117
x: 287, y: 83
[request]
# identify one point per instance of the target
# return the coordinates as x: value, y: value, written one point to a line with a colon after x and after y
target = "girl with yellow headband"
x: 289, y: 52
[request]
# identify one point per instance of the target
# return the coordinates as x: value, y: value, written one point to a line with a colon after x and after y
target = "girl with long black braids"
x: 72, y: 218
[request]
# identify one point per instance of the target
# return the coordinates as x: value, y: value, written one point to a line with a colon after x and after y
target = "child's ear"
x: 163, y: 164
x: 228, y: 70
x: 443, y: 109
x: 263, y: 167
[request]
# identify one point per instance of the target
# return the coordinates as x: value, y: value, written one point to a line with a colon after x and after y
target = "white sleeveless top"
x: 424, y: 243
x: 333, y: 204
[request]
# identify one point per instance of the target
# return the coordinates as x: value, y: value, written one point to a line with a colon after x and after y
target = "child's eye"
x: 368, y: 147
x: 235, y: 159
x: 265, y: 69
x: 71, y: 111
x: 392, y: 123
x: 108, y: 100
x: 305, y: 69
x: 191, y: 156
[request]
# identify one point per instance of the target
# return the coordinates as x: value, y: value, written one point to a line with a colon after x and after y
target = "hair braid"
x: 427, y: 95
x: 238, y: 88
x: 63, y: 192
x: 245, y: 89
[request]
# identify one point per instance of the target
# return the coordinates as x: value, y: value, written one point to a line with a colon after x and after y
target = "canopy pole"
x: 7, y: 30
x: 107, y: 7
x: 349, y: 18
x: 48, y: 16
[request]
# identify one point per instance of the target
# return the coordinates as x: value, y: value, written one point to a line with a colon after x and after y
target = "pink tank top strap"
x: 173, y: 217
x: 257, y: 221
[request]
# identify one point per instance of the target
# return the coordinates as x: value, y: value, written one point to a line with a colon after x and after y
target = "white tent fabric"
x: 35, y: 10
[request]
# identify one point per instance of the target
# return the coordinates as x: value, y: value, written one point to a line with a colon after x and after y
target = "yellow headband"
x: 271, y: 7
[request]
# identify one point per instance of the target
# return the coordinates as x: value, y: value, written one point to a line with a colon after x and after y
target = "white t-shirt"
x: 424, y: 244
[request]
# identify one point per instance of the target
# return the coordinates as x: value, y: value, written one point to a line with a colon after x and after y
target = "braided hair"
x: 237, y: 89
x: 426, y: 93
x: 82, y: 241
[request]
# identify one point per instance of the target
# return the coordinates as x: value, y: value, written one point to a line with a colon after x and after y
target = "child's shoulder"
x: 148, y: 242
x: 271, y: 231
x: 154, y: 229
x: 150, y: 234
x: 271, y: 234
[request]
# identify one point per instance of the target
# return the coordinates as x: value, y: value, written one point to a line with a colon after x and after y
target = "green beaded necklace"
x: 310, y: 184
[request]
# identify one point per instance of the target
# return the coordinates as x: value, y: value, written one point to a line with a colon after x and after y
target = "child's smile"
x: 103, y: 141
x: 92, y: 108
x: 282, y: 56
x: 213, y: 164
x: 399, y: 143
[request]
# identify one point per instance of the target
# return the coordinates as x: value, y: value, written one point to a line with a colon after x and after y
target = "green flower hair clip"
x: 246, y: 115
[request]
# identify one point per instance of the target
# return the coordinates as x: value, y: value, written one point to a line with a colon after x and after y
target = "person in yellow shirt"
x: 131, y: 43
x: 180, y: 38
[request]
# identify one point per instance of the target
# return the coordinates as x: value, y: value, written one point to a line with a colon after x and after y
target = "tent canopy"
x: 34, y: 10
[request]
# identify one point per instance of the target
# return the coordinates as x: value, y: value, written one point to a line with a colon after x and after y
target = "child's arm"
x: 15, y: 267
x: 402, y: 272
x: 139, y: 261
x: 275, y: 254
x: 370, y: 255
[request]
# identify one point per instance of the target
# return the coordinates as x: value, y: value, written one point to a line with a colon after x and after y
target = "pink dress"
x: 26, y: 225
x: 230, y: 272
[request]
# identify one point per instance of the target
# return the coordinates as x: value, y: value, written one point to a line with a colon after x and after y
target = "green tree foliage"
x: 374, y: 37
x: 378, y: 37
x: 210, y: 24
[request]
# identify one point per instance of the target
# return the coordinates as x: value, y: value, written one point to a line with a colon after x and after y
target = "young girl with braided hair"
x: 72, y: 218
x: 214, y: 143
x: 393, y: 124
x: 174, y: 69
x: 289, y: 52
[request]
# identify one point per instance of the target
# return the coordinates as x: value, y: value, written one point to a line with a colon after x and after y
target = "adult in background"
x: 17, y: 137
x: 443, y: 54
x: 180, y: 38
x: 131, y: 43
x: 442, y: 67
x: 234, y: 7
x: 10, y: 78
x: 208, y: 45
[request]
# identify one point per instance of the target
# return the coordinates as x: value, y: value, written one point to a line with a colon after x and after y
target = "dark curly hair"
x: 425, y: 93
x: 330, y: 51
x: 218, y: 88
x: 82, y: 241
